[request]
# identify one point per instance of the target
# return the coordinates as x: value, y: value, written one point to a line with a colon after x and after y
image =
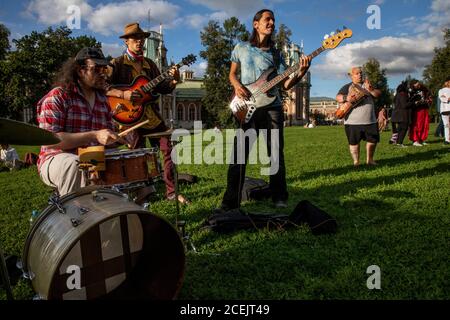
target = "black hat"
x: 95, y: 54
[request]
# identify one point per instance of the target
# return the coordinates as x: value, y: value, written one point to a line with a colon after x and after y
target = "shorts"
x: 356, y: 133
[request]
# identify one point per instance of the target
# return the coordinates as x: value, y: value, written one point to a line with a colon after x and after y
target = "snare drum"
x: 95, y: 243
x: 127, y: 167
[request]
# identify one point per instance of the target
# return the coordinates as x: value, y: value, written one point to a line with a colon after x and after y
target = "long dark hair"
x: 254, y: 38
x: 67, y: 77
x: 402, y: 87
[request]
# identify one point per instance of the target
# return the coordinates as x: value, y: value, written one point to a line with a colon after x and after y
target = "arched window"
x: 192, y: 112
x: 166, y: 111
x: 180, y: 112
x: 199, y: 112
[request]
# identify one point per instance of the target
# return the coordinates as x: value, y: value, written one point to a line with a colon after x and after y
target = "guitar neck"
x: 272, y: 83
x: 163, y: 76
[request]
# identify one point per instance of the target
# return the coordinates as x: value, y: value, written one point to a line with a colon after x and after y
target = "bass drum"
x: 97, y: 244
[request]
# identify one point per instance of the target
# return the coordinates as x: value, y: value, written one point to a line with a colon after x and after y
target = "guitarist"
x: 252, y: 59
x: 127, y: 67
x: 361, y: 122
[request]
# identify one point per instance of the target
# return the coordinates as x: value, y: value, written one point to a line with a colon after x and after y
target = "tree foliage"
x: 4, y: 41
x: 377, y: 77
x: 282, y: 37
x: 29, y: 70
x: 219, y: 42
x: 435, y: 74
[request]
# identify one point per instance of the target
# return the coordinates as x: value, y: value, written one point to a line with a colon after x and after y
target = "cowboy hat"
x: 133, y: 29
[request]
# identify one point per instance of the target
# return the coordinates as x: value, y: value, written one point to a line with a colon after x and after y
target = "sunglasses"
x: 97, y: 68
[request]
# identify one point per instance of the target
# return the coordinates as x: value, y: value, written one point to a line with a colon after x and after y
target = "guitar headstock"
x: 188, y: 60
x: 333, y: 40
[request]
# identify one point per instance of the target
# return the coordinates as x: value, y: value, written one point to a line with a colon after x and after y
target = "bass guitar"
x: 243, y: 110
x: 128, y: 113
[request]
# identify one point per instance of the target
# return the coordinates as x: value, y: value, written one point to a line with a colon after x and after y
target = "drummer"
x: 77, y: 111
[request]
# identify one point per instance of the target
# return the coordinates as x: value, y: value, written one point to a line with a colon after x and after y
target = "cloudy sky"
x: 409, y: 29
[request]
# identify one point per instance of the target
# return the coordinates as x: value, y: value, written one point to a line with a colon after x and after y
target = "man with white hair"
x: 361, y: 122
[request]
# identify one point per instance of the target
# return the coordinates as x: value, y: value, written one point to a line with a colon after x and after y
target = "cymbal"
x: 15, y: 132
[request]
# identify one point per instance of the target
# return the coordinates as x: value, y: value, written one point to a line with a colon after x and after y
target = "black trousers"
x: 263, y: 119
x: 402, y: 129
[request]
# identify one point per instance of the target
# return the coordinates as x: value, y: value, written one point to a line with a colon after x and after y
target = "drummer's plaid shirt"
x: 64, y: 110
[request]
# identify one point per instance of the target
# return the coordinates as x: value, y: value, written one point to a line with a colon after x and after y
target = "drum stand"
x: 5, y: 276
x: 180, y: 225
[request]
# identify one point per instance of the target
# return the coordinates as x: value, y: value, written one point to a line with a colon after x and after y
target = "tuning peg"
x: 344, y: 27
x: 338, y: 31
x: 332, y: 33
x: 326, y: 37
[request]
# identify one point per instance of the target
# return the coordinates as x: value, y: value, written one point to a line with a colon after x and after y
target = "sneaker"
x: 280, y: 204
x: 417, y: 144
x: 446, y: 142
x: 424, y: 143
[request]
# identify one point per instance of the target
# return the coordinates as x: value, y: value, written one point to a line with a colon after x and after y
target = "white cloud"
x: 432, y: 23
x: 198, y: 21
x: 441, y: 5
x: 198, y: 68
x: 405, y: 54
x: 106, y: 19
x: 52, y: 12
x: 237, y: 8
x: 111, y: 18
x: 399, y: 55
x: 112, y: 49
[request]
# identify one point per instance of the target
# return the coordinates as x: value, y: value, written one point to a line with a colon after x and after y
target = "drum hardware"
x: 5, y: 276
x: 83, y: 211
x: 75, y: 222
x: 96, y: 197
x: 180, y: 225
x: 55, y: 200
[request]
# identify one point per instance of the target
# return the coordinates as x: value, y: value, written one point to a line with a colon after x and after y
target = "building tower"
x: 296, y: 102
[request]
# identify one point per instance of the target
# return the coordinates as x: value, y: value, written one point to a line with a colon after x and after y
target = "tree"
x: 282, y: 37
x: 435, y: 74
x: 4, y: 41
x: 30, y: 69
x: 377, y: 77
x: 219, y: 42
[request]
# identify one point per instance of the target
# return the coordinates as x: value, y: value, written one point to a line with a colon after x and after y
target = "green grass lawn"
x: 395, y: 215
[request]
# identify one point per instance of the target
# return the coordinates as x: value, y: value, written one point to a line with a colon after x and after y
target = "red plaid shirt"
x: 68, y: 111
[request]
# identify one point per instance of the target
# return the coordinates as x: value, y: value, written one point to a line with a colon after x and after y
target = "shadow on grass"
x: 390, y: 162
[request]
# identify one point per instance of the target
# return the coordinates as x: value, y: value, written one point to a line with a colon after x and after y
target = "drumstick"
x: 123, y: 133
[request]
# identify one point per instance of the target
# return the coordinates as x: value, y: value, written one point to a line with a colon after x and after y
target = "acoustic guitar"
x: 128, y: 113
x: 243, y: 110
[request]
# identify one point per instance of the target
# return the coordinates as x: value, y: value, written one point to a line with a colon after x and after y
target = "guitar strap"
x: 276, y: 57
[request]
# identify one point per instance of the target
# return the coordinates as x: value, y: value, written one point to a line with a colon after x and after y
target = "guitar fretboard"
x: 163, y: 76
x: 272, y: 83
